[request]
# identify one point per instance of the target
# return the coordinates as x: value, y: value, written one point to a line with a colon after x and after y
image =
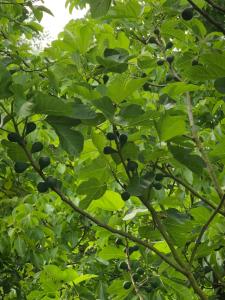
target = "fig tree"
x: 20, y: 166
x: 44, y: 162
x: 36, y: 147
x: 125, y: 196
x: 42, y: 187
x: 30, y: 126
x: 187, y: 14
x: 127, y: 285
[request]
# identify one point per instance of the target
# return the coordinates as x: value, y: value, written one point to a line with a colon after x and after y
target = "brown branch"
x: 207, y: 17
x: 216, y: 6
x: 204, y: 228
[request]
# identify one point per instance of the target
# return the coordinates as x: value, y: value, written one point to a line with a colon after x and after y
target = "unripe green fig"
x: 160, y: 62
x: 159, y: 177
x: 169, y: 45
x: 127, y: 285
x: 15, y: 138
x: 187, y: 14
x: 110, y: 136
x: 105, y: 79
x: 132, y: 165
x: 140, y: 271
x: 42, y: 187
x: 30, y: 126
x: 20, y: 166
x: 170, y: 59
x: 123, y: 139
x: 44, y: 162
x: 37, y: 147
x: 123, y: 266
x: 157, y: 186
x: 152, y: 40
x: 125, y: 196
x: 109, y: 150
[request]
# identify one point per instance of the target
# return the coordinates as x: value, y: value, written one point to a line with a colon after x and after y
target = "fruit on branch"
x: 123, y: 139
x: 152, y: 40
x: 135, y: 277
x: 170, y: 59
x: 15, y: 138
x: 123, y: 266
x: 160, y: 62
x: 44, y: 162
x: 159, y: 177
x: 156, y: 31
x: 127, y: 285
x: 20, y: 166
x: 37, y: 147
x: 42, y: 187
x: 105, y: 79
x: 169, y: 45
x: 132, y: 165
x: 194, y: 62
x: 125, y: 196
x: 140, y: 271
x: 118, y: 242
x: 157, y: 186
x: 169, y: 77
x: 187, y: 14
x: 30, y: 126
x: 110, y: 136
x: 109, y: 150
x: 51, y: 181
x: 133, y: 249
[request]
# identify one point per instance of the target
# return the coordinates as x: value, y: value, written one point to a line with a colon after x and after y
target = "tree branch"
x: 204, y: 228
x: 207, y: 17
x: 216, y: 6
x: 198, y: 143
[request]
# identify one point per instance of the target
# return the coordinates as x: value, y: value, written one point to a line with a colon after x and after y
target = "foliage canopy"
x: 112, y: 152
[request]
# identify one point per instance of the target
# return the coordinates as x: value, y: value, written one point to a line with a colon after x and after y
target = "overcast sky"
x: 61, y: 16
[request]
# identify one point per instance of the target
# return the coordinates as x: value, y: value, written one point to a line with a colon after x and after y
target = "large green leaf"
x: 110, y: 201
x: 171, y: 126
x: 99, y: 7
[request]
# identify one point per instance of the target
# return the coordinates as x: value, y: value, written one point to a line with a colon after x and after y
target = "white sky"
x: 55, y: 24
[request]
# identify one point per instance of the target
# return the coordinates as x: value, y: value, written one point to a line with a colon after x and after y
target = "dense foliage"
x: 113, y: 152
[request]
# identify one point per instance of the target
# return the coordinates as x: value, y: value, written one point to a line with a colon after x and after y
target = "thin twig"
x: 207, y: 17
x: 216, y: 6
x: 204, y: 228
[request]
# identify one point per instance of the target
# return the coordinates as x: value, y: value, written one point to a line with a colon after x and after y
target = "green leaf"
x: 123, y: 86
x: 110, y: 201
x: 72, y: 141
x: 15, y: 151
x: 106, y: 106
x: 219, y: 85
x: 192, y: 161
x: 93, y: 188
x: 99, y: 7
x: 110, y: 252
x: 171, y: 126
x: 178, y: 88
